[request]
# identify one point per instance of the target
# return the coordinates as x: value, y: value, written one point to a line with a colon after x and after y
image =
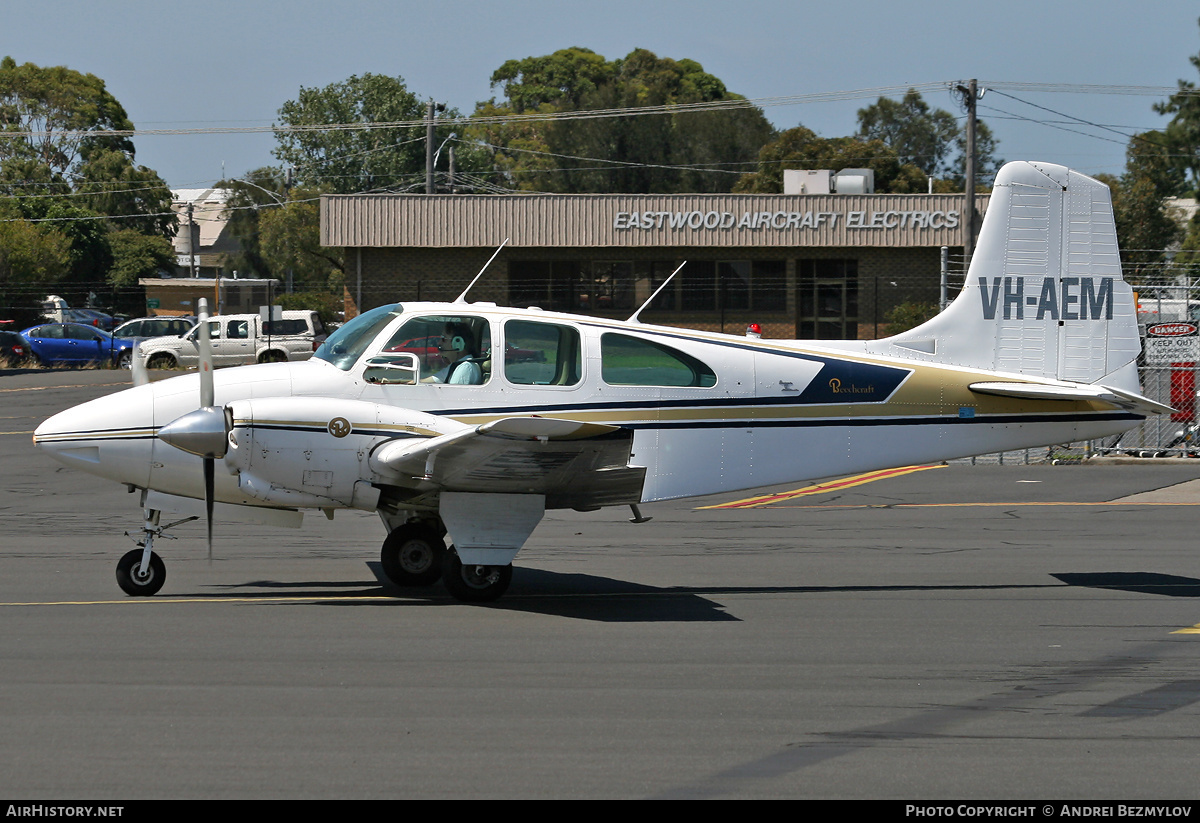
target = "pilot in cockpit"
x: 458, y: 346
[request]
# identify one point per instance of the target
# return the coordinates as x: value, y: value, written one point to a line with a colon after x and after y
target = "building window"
x: 735, y: 284
x: 611, y: 286
x: 549, y: 284
x: 827, y: 299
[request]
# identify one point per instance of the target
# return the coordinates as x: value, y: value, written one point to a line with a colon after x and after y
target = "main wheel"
x: 473, y: 583
x: 138, y: 585
x: 125, y: 360
x: 412, y: 555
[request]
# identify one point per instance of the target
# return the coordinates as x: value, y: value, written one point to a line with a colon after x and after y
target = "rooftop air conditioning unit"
x: 854, y: 181
x: 807, y: 181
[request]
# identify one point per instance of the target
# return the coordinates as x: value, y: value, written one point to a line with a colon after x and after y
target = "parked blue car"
x: 73, y: 344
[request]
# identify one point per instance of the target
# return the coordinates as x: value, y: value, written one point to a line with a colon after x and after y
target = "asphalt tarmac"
x: 999, y: 632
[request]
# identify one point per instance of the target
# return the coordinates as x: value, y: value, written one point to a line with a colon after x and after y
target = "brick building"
x: 826, y: 266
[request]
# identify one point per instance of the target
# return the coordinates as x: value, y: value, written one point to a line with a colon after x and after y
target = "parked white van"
x: 238, y: 339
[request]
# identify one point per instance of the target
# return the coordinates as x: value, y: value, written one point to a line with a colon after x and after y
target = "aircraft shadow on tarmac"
x: 1169, y: 585
x: 603, y: 599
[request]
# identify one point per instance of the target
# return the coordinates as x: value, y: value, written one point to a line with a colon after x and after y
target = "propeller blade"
x: 206, y: 357
x: 138, y: 367
x: 202, y: 432
x: 209, y: 476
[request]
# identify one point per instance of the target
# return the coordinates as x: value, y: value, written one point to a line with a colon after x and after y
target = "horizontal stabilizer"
x: 1129, y: 401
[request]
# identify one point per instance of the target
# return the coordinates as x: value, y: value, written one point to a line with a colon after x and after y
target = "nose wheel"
x: 139, y: 579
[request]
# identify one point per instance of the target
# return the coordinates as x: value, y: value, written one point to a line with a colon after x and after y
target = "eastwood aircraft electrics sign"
x: 782, y: 220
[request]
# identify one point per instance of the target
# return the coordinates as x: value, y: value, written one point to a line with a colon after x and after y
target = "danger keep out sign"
x: 1168, y: 343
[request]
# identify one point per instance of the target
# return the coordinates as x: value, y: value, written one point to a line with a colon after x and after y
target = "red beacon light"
x: 754, y: 330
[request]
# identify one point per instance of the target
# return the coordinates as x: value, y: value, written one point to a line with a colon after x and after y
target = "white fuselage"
x: 761, y: 412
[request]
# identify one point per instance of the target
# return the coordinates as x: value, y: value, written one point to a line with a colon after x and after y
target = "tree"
x: 259, y: 190
x: 354, y: 159
x: 64, y: 166
x: 290, y: 241
x: 801, y: 148
x: 926, y: 138
x: 135, y: 255
x: 920, y: 137
x: 1145, y: 226
x: 669, y: 151
x: 57, y: 117
x: 1182, y: 134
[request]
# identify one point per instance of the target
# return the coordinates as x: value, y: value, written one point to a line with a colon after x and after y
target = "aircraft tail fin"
x: 1044, y: 295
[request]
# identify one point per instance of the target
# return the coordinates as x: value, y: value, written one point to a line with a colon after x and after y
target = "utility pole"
x: 431, y: 108
x: 970, y: 93
x: 191, y: 240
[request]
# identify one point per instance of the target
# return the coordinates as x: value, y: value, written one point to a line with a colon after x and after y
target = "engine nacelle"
x: 312, y: 452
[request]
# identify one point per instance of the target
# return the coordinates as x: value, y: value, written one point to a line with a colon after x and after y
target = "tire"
x: 125, y: 360
x: 472, y: 583
x: 160, y: 360
x: 131, y: 583
x: 412, y: 555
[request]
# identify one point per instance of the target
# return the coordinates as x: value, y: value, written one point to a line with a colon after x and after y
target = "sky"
x: 233, y: 63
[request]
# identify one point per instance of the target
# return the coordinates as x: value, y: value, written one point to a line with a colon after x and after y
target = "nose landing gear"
x: 141, y: 572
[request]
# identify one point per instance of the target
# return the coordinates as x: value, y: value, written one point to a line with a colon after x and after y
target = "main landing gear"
x: 414, y: 554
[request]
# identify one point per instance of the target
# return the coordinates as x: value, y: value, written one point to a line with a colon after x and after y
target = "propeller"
x: 137, y: 366
x: 205, y: 431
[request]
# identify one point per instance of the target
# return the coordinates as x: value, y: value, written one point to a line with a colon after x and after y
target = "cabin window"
x: 633, y: 361
x: 451, y: 349
x: 541, y: 354
x: 343, y: 347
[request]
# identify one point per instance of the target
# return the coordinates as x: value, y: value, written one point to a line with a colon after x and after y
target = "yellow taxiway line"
x: 821, y: 488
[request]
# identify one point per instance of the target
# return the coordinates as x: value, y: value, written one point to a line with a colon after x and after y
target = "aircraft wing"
x: 575, y: 465
x: 1129, y: 401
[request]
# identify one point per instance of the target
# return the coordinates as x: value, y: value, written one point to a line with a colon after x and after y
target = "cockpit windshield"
x: 346, y: 345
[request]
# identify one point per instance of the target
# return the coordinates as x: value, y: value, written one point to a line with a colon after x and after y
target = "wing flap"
x: 575, y: 465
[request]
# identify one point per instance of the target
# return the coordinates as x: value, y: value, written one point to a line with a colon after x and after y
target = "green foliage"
x: 31, y: 254
x: 354, y: 160
x: 289, y: 238
x: 46, y: 114
x: 1145, y: 227
x: 921, y: 137
x: 259, y: 190
x: 801, y: 148
x: 908, y: 315
x: 678, y: 151
x: 137, y: 255
x: 115, y: 186
x: 1182, y: 135
x: 53, y: 145
x: 926, y: 138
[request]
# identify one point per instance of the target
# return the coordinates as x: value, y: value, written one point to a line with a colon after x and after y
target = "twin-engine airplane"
x: 469, y: 421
